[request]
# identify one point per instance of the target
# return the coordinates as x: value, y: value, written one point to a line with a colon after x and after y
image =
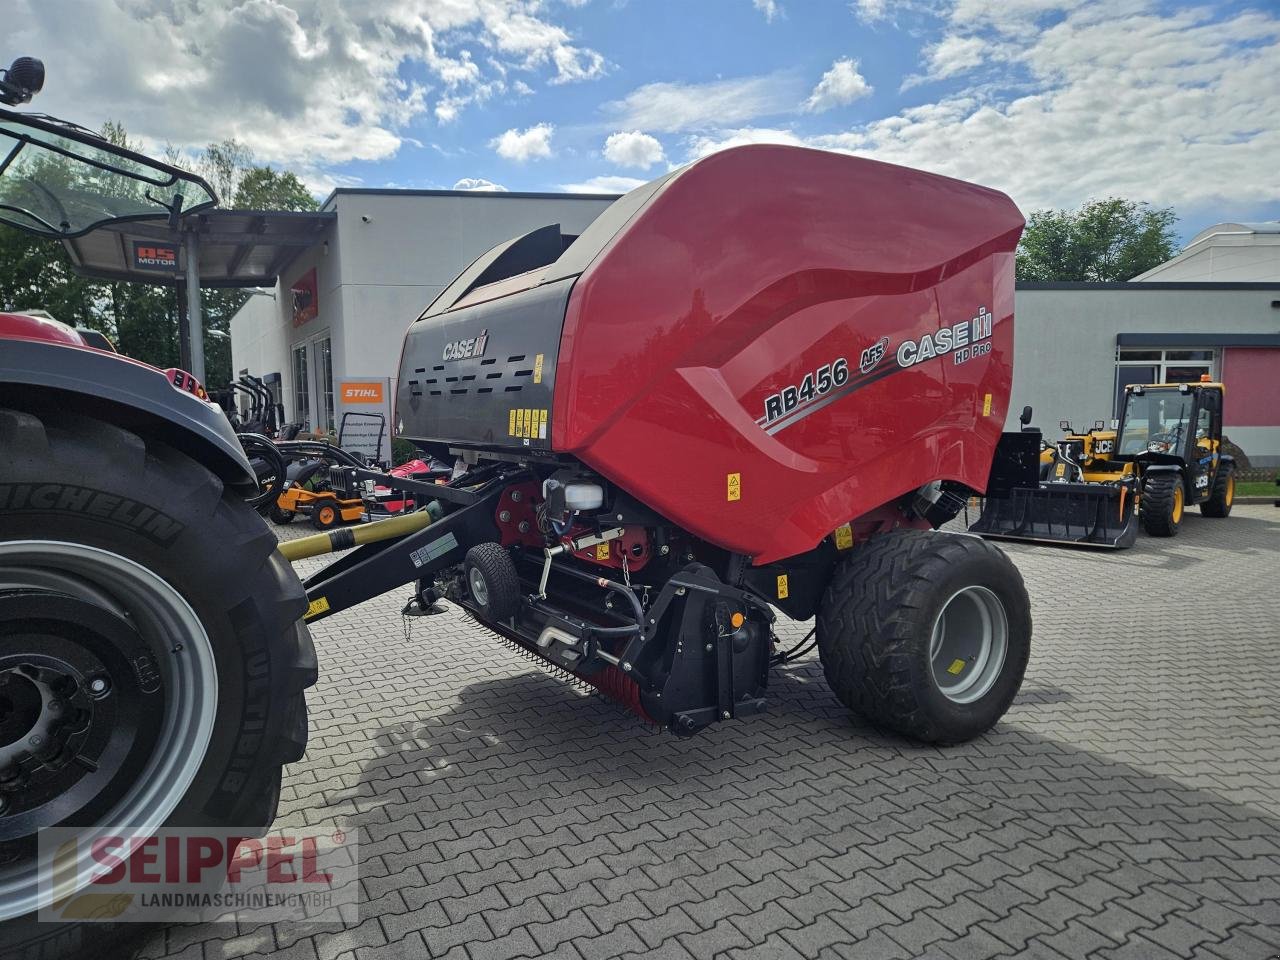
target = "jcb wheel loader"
x: 752, y: 388
x: 1098, y: 486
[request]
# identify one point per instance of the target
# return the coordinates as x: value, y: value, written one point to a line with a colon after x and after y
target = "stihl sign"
x: 370, y: 392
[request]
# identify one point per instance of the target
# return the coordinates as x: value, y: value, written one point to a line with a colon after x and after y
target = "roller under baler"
x: 752, y: 387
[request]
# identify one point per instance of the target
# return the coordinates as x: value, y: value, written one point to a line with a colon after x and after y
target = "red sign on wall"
x: 154, y: 255
x: 306, y: 299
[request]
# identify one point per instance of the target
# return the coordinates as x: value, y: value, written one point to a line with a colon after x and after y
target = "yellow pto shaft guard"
x: 321, y: 543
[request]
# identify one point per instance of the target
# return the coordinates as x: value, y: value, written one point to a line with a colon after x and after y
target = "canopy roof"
x: 237, y: 248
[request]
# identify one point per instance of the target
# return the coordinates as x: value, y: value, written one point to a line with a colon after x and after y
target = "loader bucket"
x: 1087, y: 514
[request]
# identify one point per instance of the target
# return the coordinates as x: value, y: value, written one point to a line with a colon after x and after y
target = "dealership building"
x: 328, y: 338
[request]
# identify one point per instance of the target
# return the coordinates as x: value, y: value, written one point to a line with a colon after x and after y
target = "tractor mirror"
x: 1025, y: 418
x: 1099, y: 425
x: 1065, y: 425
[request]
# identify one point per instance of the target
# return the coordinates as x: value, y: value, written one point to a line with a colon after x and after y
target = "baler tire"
x: 1223, y: 494
x: 280, y: 517
x: 878, y: 618
x: 114, y: 505
x: 1163, y: 505
x: 497, y: 597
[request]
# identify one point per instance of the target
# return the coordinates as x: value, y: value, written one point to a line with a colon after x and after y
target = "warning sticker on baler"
x: 734, y: 487
x: 436, y: 548
x: 784, y: 588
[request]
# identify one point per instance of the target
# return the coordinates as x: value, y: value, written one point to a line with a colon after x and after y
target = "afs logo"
x: 872, y: 356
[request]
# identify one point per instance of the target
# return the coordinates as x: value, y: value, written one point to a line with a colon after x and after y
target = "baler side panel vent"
x: 500, y: 398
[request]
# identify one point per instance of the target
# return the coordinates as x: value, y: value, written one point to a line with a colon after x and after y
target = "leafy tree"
x: 264, y: 188
x: 1105, y: 240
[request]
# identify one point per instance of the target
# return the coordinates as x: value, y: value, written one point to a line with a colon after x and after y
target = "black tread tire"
x: 1156, y: 508
x: 281, y: 518
x: 318, y: 512
x: 876, y: 620
x: 1218, y: 506
x: 224, y: 561
x: 500, y: 577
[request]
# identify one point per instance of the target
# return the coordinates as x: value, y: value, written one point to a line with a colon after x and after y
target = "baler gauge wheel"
x: 492, y: 581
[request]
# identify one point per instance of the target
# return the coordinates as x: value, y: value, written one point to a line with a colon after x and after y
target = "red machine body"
x: 747, y: 273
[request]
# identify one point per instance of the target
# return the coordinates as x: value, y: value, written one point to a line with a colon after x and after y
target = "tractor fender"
x: 128, y: 393
x: 1162, y: 468
x: 1226, y: 460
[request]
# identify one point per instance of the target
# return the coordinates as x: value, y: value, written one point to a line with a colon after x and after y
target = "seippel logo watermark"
x: 195, y: 874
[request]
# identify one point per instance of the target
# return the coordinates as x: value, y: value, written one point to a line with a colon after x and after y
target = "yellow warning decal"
x: 511, y: 426
x: 986, y: 405
x: 602, y: 550
x: 537, y: 369
x: 527, y: 423
x: 542, y: 424
x: 784, y: 589
x: 316, y: 607
x: 956, y: 667
x: 734, y: 487
x: 1060, y: 470
x: 844, y: 537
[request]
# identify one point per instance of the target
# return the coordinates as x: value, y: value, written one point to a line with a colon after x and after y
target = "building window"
x: 324, y: 374
x: 301, y: 389
x: 1146, y: 365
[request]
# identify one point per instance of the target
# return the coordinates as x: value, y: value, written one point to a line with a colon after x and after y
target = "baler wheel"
x: 926, y: 634
x: 492, y: 581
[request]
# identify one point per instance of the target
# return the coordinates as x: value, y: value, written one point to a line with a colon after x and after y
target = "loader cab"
x: 1167, y: 423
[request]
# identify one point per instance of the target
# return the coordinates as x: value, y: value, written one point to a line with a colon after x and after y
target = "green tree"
x: 1105, y: 240
x: 264, y: 188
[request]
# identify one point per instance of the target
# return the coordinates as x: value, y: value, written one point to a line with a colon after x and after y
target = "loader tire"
x: 926, y: 634
x: 492, y: 581
x: 167, y: 622
x: 1223, y: 494
x: 1163, y: 505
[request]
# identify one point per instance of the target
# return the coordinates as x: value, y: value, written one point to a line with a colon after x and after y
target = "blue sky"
x: 1053, y: 101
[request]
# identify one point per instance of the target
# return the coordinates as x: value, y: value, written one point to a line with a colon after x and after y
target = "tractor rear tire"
x: 281, y: 518
x: 926, y: 634
x: 1163, y: 505
x: 1223, y: 494
x: 137, y: 590
x: 492, y: 581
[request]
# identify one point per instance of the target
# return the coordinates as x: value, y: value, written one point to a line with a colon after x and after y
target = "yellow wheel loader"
x: 1096, y: 486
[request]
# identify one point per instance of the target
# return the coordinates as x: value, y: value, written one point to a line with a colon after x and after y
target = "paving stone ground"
x: 1128, y: 806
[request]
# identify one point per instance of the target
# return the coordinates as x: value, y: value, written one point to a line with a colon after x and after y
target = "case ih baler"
x: 751, y: 388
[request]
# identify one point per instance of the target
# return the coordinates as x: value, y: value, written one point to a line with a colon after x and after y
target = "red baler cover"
x: 782, y: 340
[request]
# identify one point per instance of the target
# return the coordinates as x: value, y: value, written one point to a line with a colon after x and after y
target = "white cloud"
x: 869, y: 11
x: 633, y: 149
x: 605, y: 184
x: 479, y: 184
x: 1171, y: 108
x: 668, y: 107
x: 522, y: 145
x: 840, y: 85
x: 307, y: 83
x: 770, y: 8
x: 701, y: 146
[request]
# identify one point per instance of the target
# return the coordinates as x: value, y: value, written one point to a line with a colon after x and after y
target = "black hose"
x: 799, y: 650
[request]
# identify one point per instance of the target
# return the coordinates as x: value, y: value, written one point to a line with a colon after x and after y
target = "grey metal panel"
x: 470, y: 401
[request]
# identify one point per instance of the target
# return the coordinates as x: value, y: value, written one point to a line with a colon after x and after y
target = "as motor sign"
x: 155, y: 255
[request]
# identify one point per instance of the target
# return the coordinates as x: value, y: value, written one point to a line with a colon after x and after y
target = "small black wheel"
x: 280, y: 517
x: 926, y: 634
x: 492, y: 581
x: 1223, y: 494
x: 1162, y: 505
x: 325, y: 515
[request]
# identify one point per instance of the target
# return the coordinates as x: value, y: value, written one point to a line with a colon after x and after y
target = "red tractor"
x: 752, y: 388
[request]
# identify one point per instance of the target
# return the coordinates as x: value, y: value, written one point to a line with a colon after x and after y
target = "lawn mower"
x: 751, y: 388
x: 1096, y: 486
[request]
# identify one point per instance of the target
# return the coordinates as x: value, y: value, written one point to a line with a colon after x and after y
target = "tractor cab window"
x: 1155, y: 421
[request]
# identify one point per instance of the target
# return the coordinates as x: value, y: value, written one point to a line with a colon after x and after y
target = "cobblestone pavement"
x: 1128, y: 806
